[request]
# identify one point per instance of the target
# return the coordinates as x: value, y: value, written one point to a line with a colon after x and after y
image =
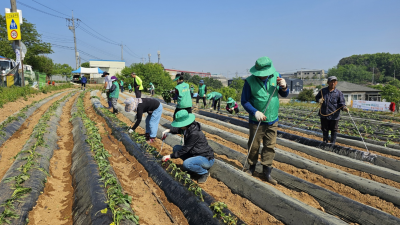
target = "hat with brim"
x: 332, y: 78
x: 209, y: 96
x: 230, y: 100
x: 263, y: 67
x: 177, y: 77
x: 151, y: 83
x: 105, y: 74
x: 114, y: 78
x: 183, y: 118
x: 201, y: 81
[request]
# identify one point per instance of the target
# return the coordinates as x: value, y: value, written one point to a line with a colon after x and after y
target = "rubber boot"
x: 147, y: 136
x: 251, y: 170
x: 267, y: 172
x: 333, y: 137
x: 325, y: 136
x: 115, y: 111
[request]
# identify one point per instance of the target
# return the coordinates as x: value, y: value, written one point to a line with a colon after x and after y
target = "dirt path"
x: 14, y: 144
x: 54, y: 206
x: 133, y: 178
x: 12, y: 107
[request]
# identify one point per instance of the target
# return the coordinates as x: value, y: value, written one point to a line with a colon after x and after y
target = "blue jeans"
x: 152, y: 121
x: 196, y: 164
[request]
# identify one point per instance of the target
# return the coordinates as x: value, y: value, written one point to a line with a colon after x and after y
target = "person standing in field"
x: 216, y: 99
x: 152, y: 107
x: 331, y: 101
x: 151, y: 89
x: 182, y: 95
x: 137, y: 85
x: 201, y: 93
x: 232, y: 106
x: 130, y: 88
x: 191, y: 91
x: 264, y: 84
x: 83, y: 82
x: 107, y: 86
x: 114, y: 93
x: 121, y: 85
x: 197, y: 155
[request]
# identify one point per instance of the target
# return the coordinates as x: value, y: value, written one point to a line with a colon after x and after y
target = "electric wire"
x: 109, y: 40
x: 40, y: 10
x: 50, y: 8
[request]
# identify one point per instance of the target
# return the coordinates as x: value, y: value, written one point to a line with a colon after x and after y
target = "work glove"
x: 345, y: 109
x: 204, y: 95
x: 321, y: 100
x: 130, y: 131
x: 260, y: 116
x: 282, y: 83
x: 231, y: 109
x: 165, y: 134
x: 166, y: 158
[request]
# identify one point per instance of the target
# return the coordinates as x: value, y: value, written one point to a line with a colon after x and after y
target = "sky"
x: 219, y: 36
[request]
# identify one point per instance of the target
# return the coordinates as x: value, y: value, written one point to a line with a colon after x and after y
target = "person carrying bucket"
x: 331, y: 102
x: 197, y: 155
x: 216, y: 98
x: 260, y: 99
x: 151, y: 89
x: 201, y: 93
x: 152, y: 107
x: 182, y: 95
x: 231, y: 106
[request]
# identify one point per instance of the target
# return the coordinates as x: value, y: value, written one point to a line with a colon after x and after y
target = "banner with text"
x: 371, y: 105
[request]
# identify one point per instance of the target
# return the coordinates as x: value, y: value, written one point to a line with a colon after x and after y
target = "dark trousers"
x: 215, y: 102
x: 122, y: 88
x: 109, y: 99
x: 198, y: 98
x: 189, y: 110
x: 234, y: 109
x: 267, y: 134
x: 329, y: 125
x: 138, y: 93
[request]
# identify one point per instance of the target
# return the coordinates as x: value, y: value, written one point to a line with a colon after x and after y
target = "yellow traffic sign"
x: 13, y: 26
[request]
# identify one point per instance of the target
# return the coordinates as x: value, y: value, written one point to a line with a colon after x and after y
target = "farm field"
x: 66, y: 159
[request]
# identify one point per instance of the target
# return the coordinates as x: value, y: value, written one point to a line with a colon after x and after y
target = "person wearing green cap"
x: 231, y: 106
x: 216, y: 98
x: 151, y: 89
x: 201, y: 93
x: 197, y: 155
x: 182, y: 95
x: 191, y: 91
x: 263, y: 85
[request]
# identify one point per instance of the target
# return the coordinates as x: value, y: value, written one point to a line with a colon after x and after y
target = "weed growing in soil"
x: 19, y: 190
x: 118, y: 202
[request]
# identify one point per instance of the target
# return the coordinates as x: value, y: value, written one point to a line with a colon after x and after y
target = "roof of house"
x: 345, y: 86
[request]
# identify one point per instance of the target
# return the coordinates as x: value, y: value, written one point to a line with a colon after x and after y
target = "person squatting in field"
x: 231, y: 106
x: 216, y: 99
x: 182, y: 95
x: 197, y: 155
x: 264, y: 84
x: 331, y: 101
x: 152, y: 107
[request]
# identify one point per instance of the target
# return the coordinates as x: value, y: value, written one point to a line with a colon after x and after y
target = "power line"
x: 50, y: 8
x: 41, y: 10
x: 93, y: 35
x: 98, y: 33
x: 129, y: 50
x: 72, y: 48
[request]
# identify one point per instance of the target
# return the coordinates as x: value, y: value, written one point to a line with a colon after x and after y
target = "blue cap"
x: 201, y: 81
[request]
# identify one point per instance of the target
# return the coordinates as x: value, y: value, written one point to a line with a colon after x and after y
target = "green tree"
x: 32, y: 40
x: 85, y: 64
x: 351, y: 73
x: 395, y: 83
x: 42, y: 64
x: 227, y: 92
x: 63, y: 69
x: 306, y: 95
x: 237, y: 84
x: 391, y: 93
x: 186, y: 76
x: 149, y: 72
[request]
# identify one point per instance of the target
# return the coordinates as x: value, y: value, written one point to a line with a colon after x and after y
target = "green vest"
x: 260, y: 96
x: 216, y: 95
x: 115, y: 93
x: 202, y: 90
x: 122, y: 83
x: 191, y: 90
x: 231, y: 105
x: 184, y: 98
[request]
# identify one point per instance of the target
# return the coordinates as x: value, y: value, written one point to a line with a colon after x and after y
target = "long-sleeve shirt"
x: 235, y: 107
x: 332, y: 101
x: 246, y: 95
x: 148, y: 105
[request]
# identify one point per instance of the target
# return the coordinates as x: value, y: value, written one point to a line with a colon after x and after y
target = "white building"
x: 111, y: 66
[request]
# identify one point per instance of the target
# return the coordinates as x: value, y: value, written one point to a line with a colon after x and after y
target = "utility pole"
x: 149, y: 57
x: 17, y: 43
x: 122, y: 52
x: 158, y: 53
x: 72, y: 28
x: 373, y: 74
x: 394, y: 75
x: 236, y: 73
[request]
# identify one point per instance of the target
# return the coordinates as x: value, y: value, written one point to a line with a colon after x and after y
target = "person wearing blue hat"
x: 197, y: 155
x: 331, y: 101
x: 201, y: 93
x: 260, y: 90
